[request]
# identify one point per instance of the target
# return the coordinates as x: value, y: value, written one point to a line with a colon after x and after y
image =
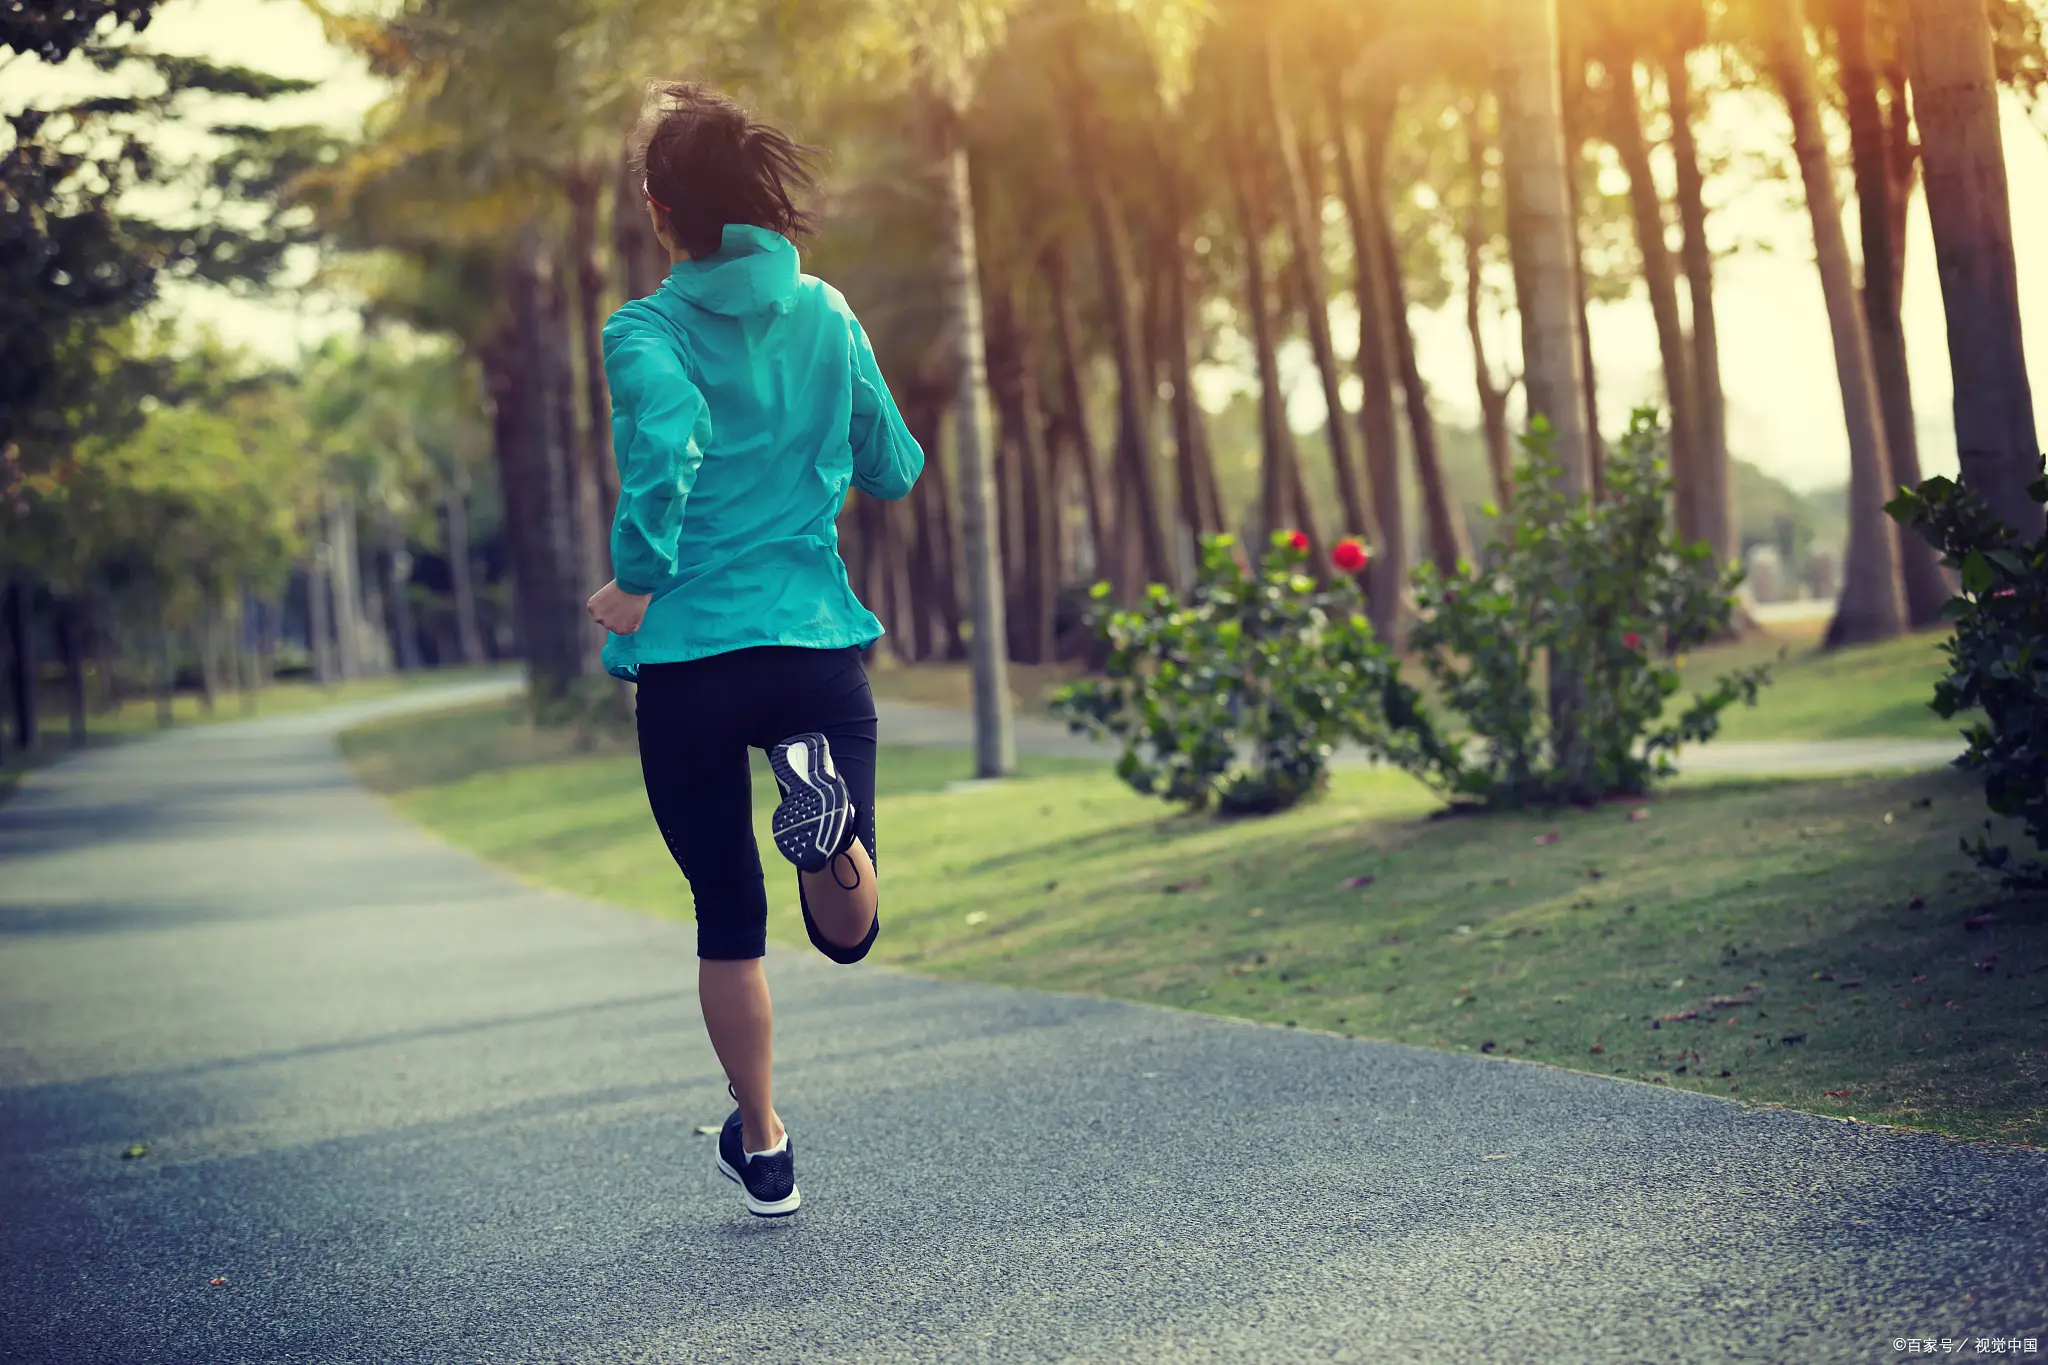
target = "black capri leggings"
x: 696, y: 721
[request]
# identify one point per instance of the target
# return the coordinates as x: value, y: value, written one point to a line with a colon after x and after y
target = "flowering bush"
x: 1998, y: 658
x: 1235, y: 697
x: 1559, y: 658
x: 1594, y: 598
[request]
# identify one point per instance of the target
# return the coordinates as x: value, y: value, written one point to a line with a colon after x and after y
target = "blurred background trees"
x: 1107, y: 253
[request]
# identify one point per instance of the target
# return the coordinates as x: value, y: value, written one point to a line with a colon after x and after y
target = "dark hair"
x: 707, y: 162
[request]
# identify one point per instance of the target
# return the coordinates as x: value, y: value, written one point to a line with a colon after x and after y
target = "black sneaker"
x: 769, y: 1181
x: 811, y: 823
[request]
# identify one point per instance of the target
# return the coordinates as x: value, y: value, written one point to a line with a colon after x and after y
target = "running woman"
x: 745, y: 401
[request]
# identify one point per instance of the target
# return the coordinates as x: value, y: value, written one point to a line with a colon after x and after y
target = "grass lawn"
x: 1874, y: 692
x: 139, y: 715
x: 1814, y: 944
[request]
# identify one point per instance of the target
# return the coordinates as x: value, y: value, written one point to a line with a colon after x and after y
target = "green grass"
x: 1834, y: 912
x: 1872, y: 692
x: 139, y: 717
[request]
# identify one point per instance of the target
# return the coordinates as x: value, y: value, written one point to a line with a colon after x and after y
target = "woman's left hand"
x: 618, y: 612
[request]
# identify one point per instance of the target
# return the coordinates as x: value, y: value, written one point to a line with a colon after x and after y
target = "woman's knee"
x: 732, y: 919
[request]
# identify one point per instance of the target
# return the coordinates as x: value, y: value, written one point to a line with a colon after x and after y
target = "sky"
x: 1785, y: 411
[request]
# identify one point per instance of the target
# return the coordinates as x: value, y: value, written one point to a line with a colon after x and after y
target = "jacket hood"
x: 755, y: 271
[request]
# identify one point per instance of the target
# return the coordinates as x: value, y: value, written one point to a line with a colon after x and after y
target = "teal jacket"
x: 745, y: 402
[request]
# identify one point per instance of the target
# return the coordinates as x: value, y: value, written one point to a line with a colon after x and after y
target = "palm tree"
x: 949, y: 39
x: 1715, y: 493
x: 1625, y: 131
x: 1872, y: 604
x: 1956, y: 102
x: 1541, y: 232
x: 995, y: 744
x: 1134, y: 478
x: 1473, y: 235
x: 1302, y: 211
x: 1373, y: 361
x: 1878, y: 189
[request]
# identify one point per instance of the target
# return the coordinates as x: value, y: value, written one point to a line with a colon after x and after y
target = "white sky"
x: 1778, y: 366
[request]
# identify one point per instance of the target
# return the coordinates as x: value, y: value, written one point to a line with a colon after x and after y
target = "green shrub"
x: 1998, y: 659
x: 1235, y: 697
x: 1559, y: 656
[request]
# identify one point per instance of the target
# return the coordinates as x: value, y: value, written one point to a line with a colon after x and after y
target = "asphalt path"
x: 399, y: 1106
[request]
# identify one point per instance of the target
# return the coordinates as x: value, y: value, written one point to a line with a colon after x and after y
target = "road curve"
x: 400, y: 1107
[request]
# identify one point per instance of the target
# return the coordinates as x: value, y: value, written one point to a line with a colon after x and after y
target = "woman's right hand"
x: 618, y: 611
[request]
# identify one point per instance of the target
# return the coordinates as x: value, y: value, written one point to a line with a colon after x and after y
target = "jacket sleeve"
x: 886, y: 457
x: 660, y: 427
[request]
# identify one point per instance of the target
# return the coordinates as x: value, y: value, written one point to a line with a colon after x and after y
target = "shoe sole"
x: 780, y: 1208
x: 811, y: 822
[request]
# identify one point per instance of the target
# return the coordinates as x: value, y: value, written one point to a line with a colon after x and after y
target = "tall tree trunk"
x: 1448, y: 546
x: 1646, y: 209
x: 347, y: 599
x: 1385, y: 525
x: 936, y: 511
x: 251, y: 657
x: 1190, y: 453
x: 1870, y: 152
x: 1576, y: 94
x: 1014, y: 389
x: 398, y: 564
x: 72, y: 622
x: 1194, y: 475
x: 643, y: 263
x: 106, y: 658
x: 166, y: 676
x: 1902, y: 153
x: 1540, y: 226
x: 888, y: 569
x: 995, y: 746
x: 589, y: 563
x: 1493, y: 396
x: 461, y: 572
x: 376, y: 615
x: 936, y: 626
x: 1543, y: 240
x: 1872, y: 604
x: 1716, y: 489
x: 1280, y: 475
x: 319, y: 618
x: 1113, y: 260
x: 1955, y: 100
x: 584, y: 187
x: 1040, y: 503
x: 21, y: 634
x: 1304, y: 219
x: 537, y: 523
x: 205, y: 653
x: 1074, y: 402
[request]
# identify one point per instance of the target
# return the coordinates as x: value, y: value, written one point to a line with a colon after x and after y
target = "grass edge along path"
x: 1820, y: 945
x: 137, y: 717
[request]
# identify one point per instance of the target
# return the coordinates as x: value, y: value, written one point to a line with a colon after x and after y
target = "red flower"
x: 1298, y: 540
x: 1350, y: 556
x: 1632, y: 640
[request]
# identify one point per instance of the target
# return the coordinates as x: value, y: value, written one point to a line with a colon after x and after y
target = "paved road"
x: 409, y: 1109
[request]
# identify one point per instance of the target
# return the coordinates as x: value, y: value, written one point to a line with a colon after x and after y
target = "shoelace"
x: 844, y: 885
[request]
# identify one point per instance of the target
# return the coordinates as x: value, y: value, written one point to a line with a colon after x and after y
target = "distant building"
x: 1765, y: 570
x: 1822, y: 574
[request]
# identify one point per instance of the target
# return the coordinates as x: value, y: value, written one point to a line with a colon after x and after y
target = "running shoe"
x: 816, y: 812
x: 767, y: 1179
